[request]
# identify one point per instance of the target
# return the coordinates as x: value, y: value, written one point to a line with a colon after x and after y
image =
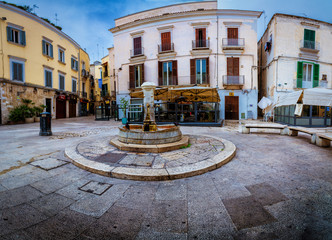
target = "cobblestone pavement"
x: 276, y: 187
x: 200, y: 149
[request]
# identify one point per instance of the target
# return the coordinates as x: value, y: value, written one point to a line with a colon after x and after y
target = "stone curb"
x: 161, y: 174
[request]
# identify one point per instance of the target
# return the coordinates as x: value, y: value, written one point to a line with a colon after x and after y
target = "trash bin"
x: 45, y: 124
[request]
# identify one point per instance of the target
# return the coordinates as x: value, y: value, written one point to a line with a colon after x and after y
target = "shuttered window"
x: 47, y: 48
x: 315, y: 82
x: 48, y: 78
x: 74, y: 84
x: 166, y: 41
x: 167, y: 73
x: 232, y: 36
x: 17, y: 70
x: 74, y: 64
x: 309, y: 38
x: 299, y: 74
x: 137, y: 46
x: 16, y: 36
x: 200, y: 37
x: 199, y: 71
x: 307, y: 75
x: 61, y: 82
x: 61, y: 55
x: 136, y: 76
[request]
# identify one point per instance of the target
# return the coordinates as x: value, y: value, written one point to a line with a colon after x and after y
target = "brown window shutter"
x: 236, y: 67
x: 160, y: 73
x: 197, y: 34
x: 232, y: 33
x: 204, y: 34
x: 174, y: 72
x: 131, y: 76
x: 142, y: 74
x: 166, y: 41
x: 192, y: 71
x: 229, y: 66
x: 207, y: 71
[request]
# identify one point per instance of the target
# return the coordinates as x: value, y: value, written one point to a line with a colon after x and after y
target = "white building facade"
x: 191, y: 44
x: 294, y: 54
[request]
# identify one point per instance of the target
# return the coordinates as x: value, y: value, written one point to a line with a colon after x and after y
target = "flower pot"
x: 124, y: 121
x: 29, y: 120
x: 37, y: 119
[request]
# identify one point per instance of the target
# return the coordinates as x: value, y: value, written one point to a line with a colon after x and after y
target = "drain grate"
x: 110, y: 157
x: 94, y: 187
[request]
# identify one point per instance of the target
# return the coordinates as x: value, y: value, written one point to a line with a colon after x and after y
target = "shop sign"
x: 231, y: 94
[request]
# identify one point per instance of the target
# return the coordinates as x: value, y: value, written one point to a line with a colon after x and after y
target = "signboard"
x: 231, y: 94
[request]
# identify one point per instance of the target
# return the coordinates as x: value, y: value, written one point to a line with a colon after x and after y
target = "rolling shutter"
x: 316, y: 76
x: 299, y: 74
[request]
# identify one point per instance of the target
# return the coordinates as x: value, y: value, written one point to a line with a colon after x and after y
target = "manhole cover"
x: 97, y: 188
x: 110, y: 157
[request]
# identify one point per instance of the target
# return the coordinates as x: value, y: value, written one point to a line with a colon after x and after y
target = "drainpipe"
x: 79, y: 82
x: 217, y: 51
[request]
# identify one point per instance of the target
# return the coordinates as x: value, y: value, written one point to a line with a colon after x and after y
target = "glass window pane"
x: 306, y: 111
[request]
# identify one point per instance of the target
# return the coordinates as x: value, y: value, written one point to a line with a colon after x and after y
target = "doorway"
x: 231, y: 107
x: 60, y: 108
x: 48, y: 103
x: 72, y: 108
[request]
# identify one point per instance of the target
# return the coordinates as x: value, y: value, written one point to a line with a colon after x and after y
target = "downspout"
x: 79, y: 82
x: 217, y: 51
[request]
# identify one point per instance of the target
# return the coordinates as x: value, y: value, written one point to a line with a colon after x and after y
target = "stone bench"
x: 283, y: 128
x: 323, y: 139
x: 294, y: 131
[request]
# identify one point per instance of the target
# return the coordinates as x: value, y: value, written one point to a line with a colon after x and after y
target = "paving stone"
x: 110, y: 157
x: 171, y: 191
x: 18, y: 196
x: 2, y: 188
x: 153, y: 235
x: 72, y: 191
x: 229, y: 189
x: 95, y: 187
x: 48, y: 163
x: 96, y: 205
x: 266, y: 194
x: 144, y: 161
x: 247, y: 212
x: 18, y: 235
x: 19, y: 217
x: 51, y: 204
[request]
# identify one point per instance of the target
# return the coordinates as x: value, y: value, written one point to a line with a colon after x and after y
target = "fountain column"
x: 149, y: 123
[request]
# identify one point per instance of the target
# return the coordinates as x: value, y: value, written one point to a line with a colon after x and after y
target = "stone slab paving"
x: 279, y: 186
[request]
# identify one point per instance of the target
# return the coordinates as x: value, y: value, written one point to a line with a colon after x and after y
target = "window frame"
x: 61, y: 50
x: 201, y: 69
x: 45, y: 77
x: 74, y: 65
x: 72, y: 84
x: 138, y: 68
x: 11, y: 61
x: 169, y: 74
x: 64, y: 82
x: 20, y: 41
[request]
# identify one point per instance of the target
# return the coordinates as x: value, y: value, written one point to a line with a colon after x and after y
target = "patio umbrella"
x: 159, y: 94
x: 196, y: 94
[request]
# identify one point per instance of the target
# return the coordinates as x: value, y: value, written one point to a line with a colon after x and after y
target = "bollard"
x: 45, y: 124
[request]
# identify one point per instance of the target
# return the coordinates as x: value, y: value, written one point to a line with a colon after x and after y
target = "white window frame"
x: 11, y: 61
x: 75, y: 67
x: 59, y: 53
x: 72, y: 80
x: 139, y: 80
x: 201, y: 70
x: 47, y: 48
x: 64, y: 81
x: 308, y: 83
x: 51, y: 71
x: 168, y: 73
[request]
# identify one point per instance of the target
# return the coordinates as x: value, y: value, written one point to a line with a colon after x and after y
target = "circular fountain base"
x: 135, y: 135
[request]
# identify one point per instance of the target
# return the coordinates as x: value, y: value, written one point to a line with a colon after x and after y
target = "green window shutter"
x: 9, y: 34
x: 51, y: 50
x: 299, y: 74
x: 44, y: 47
x: 72, y: 63
x: 22, y: 38
x: 316, y: 76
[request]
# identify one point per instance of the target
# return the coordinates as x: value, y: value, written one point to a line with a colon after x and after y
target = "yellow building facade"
x: 39, y: 62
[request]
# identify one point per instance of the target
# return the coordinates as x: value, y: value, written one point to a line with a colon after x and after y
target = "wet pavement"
x: 276, y: 187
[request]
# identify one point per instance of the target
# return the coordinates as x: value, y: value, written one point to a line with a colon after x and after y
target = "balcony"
x: 166, y: 47
x: 233, y: 43
x: 309, y: 46
x: 233, y: 80
x: 200, y: 44
x: 136, y: 52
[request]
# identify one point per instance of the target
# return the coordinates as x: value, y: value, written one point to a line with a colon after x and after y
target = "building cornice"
x: 40, y: 21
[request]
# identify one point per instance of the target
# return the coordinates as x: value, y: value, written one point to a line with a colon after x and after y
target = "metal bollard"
x: 45, y: 124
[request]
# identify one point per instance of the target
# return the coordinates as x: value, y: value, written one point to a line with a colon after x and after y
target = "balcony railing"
x: 166, y: 47
x: 199, y: 44
x: 310, y: 45
x: 233, y: 43
x: 136, y: 52
x: 233, y: 80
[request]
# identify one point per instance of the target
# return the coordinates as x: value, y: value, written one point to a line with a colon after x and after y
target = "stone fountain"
x: 149, y: 137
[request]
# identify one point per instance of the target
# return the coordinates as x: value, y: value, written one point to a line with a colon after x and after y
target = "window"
x: 137, y: 41
x: 83, y: 65
x: 167, y: 73
x: 61, y: 82
x: 233, y: 71
x: 61, y: 55
x: 48, y: 78
x: 200, y: 38
x: 166, y: 44
x: 47, y: 48
x: 199, y: 71
x: 17, y: 70
x: 309, y: 39
x: 307, y: 75
x: 74, y: 84
x: 74, y: 64
x: 136, y: 75
x: 16, y: 36
x: 232, y: 36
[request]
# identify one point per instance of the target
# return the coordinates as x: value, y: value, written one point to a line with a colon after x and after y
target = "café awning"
x: 317, y: 97
x: 288, y: 99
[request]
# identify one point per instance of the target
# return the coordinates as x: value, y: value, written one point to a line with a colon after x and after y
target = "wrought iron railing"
x: 136, y: 52
x: 198, y: 44
x: 233, y: 42
x: 306, y: 44
x: 233, y: 80
x: 166, y: 47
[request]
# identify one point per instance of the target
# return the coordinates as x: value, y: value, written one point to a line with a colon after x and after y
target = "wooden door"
x: 72, y: 109
x: 233, y: 70
x: 200, y: 37
x: 60, y: 108
x: 232, y: 35
x: 232, y: 107
x: 166, y: 41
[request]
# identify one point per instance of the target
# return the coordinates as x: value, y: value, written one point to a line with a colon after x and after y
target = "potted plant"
x: 37, y: 111
x: 28, y: 111
x: 124, y: 104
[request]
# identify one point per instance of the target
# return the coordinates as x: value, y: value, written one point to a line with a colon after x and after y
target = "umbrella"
x: 196, y: 94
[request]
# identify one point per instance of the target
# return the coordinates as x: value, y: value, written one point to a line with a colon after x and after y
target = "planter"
x: 37, y: 119
x: 124, y: 121
x: 30, y: 120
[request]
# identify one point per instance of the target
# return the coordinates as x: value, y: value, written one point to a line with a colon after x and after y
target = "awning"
x: 288, y: 99
x: 159, y: 94
x: 317, y: 97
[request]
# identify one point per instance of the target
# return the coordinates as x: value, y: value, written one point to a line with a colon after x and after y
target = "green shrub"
x: 17, y: 114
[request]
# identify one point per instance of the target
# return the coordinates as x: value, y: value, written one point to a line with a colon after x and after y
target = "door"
x: 166, y: 41
x: 72, y: 109
x: 48, y: 103
x: 60, y: 108
x: 232, y: 36
x: 200, y: 38
x: 233, y: 71
x: 232, y: 107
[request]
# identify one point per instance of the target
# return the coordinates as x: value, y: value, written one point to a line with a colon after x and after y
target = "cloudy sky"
x: 88, y: 21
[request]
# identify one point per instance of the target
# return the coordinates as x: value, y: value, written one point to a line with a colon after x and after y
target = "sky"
x: 88, y: 21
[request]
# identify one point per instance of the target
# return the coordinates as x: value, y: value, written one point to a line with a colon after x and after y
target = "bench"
x: 283, y: 128
x: 323, y: 139
x: 294, y: 131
